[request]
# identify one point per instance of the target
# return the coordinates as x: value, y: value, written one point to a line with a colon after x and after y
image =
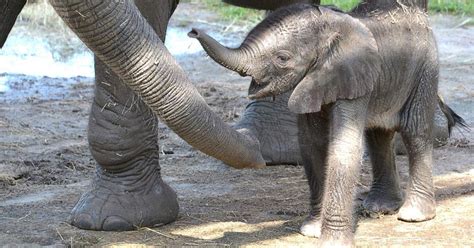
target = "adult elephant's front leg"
x: 128, y: 191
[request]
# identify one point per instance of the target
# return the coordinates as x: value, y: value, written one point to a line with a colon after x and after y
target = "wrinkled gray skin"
x: 128, y: 191
x: 371, y: 72
x: 122, y: 128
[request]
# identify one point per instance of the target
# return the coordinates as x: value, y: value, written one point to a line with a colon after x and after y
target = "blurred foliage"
x: 460, y: 7
x: 231, y: 13
x: 345, y: 5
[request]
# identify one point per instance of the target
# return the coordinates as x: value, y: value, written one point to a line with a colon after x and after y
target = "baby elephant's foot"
x: 336, y: 241
x: 380, y: 202
x: 311, y: 227
x: 417, y: 208
x: 118, y: 209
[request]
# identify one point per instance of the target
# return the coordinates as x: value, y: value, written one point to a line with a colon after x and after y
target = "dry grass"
x: 40, y: 23
x: 41, y: 15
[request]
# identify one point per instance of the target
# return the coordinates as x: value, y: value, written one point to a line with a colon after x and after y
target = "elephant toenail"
x: 82, y: 221
x: 116, y: 223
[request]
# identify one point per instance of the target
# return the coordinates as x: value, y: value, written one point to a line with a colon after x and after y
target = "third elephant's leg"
x: 313, y: 140
x: 384, y: 196
x: 128, y: 191
x: 274, y: 126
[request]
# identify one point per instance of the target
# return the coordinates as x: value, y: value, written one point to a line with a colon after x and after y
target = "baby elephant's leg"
x: 347, y: 123
x: 384, y: 196
x: 313, y: 139
x: 417, y: 134
x: 420, y: 197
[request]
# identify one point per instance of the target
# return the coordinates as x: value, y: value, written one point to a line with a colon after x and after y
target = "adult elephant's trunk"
x: 233, y: 59
x: 120, y: 37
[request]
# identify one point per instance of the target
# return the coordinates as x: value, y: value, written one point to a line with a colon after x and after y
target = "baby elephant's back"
x: 408, y: 50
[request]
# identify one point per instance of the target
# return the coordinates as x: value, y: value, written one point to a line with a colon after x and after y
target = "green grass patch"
x: 345, y: 5
x: 232, y: 13
x: 459, y: 7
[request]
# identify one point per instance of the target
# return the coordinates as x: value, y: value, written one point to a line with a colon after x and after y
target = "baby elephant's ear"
x: 348, y: 67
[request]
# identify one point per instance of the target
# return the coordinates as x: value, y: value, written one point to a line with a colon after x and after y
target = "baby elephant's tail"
x: 453, y: 118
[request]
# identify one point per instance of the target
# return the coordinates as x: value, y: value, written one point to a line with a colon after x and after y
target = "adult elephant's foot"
x: 126, y: 202
x: 417, y: 208
x: 382, y: 200
x: 311, y: 227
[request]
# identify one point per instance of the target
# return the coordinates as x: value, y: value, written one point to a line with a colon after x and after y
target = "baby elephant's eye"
x: 282, y: 58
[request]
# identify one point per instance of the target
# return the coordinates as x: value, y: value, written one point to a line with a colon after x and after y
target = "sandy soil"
x: 45, y: 165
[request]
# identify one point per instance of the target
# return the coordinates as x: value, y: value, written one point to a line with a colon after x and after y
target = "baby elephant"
x: 372, y: 72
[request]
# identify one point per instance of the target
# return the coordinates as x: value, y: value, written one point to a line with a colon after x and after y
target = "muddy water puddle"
x: 24, y: 88
x: 36, y: 68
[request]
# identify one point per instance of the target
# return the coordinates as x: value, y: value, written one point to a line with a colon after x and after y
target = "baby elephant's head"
x: 299, y: 44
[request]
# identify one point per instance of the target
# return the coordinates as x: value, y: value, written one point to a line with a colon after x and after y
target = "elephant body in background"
x: 360, y: 75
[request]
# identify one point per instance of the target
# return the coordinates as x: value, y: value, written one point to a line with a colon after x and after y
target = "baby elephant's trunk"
x: 233, y: 59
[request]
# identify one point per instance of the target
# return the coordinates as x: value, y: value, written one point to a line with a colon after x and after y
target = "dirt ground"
x: 45, y: 165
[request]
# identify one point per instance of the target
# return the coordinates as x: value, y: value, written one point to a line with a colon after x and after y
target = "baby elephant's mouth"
x: 259, y: 90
